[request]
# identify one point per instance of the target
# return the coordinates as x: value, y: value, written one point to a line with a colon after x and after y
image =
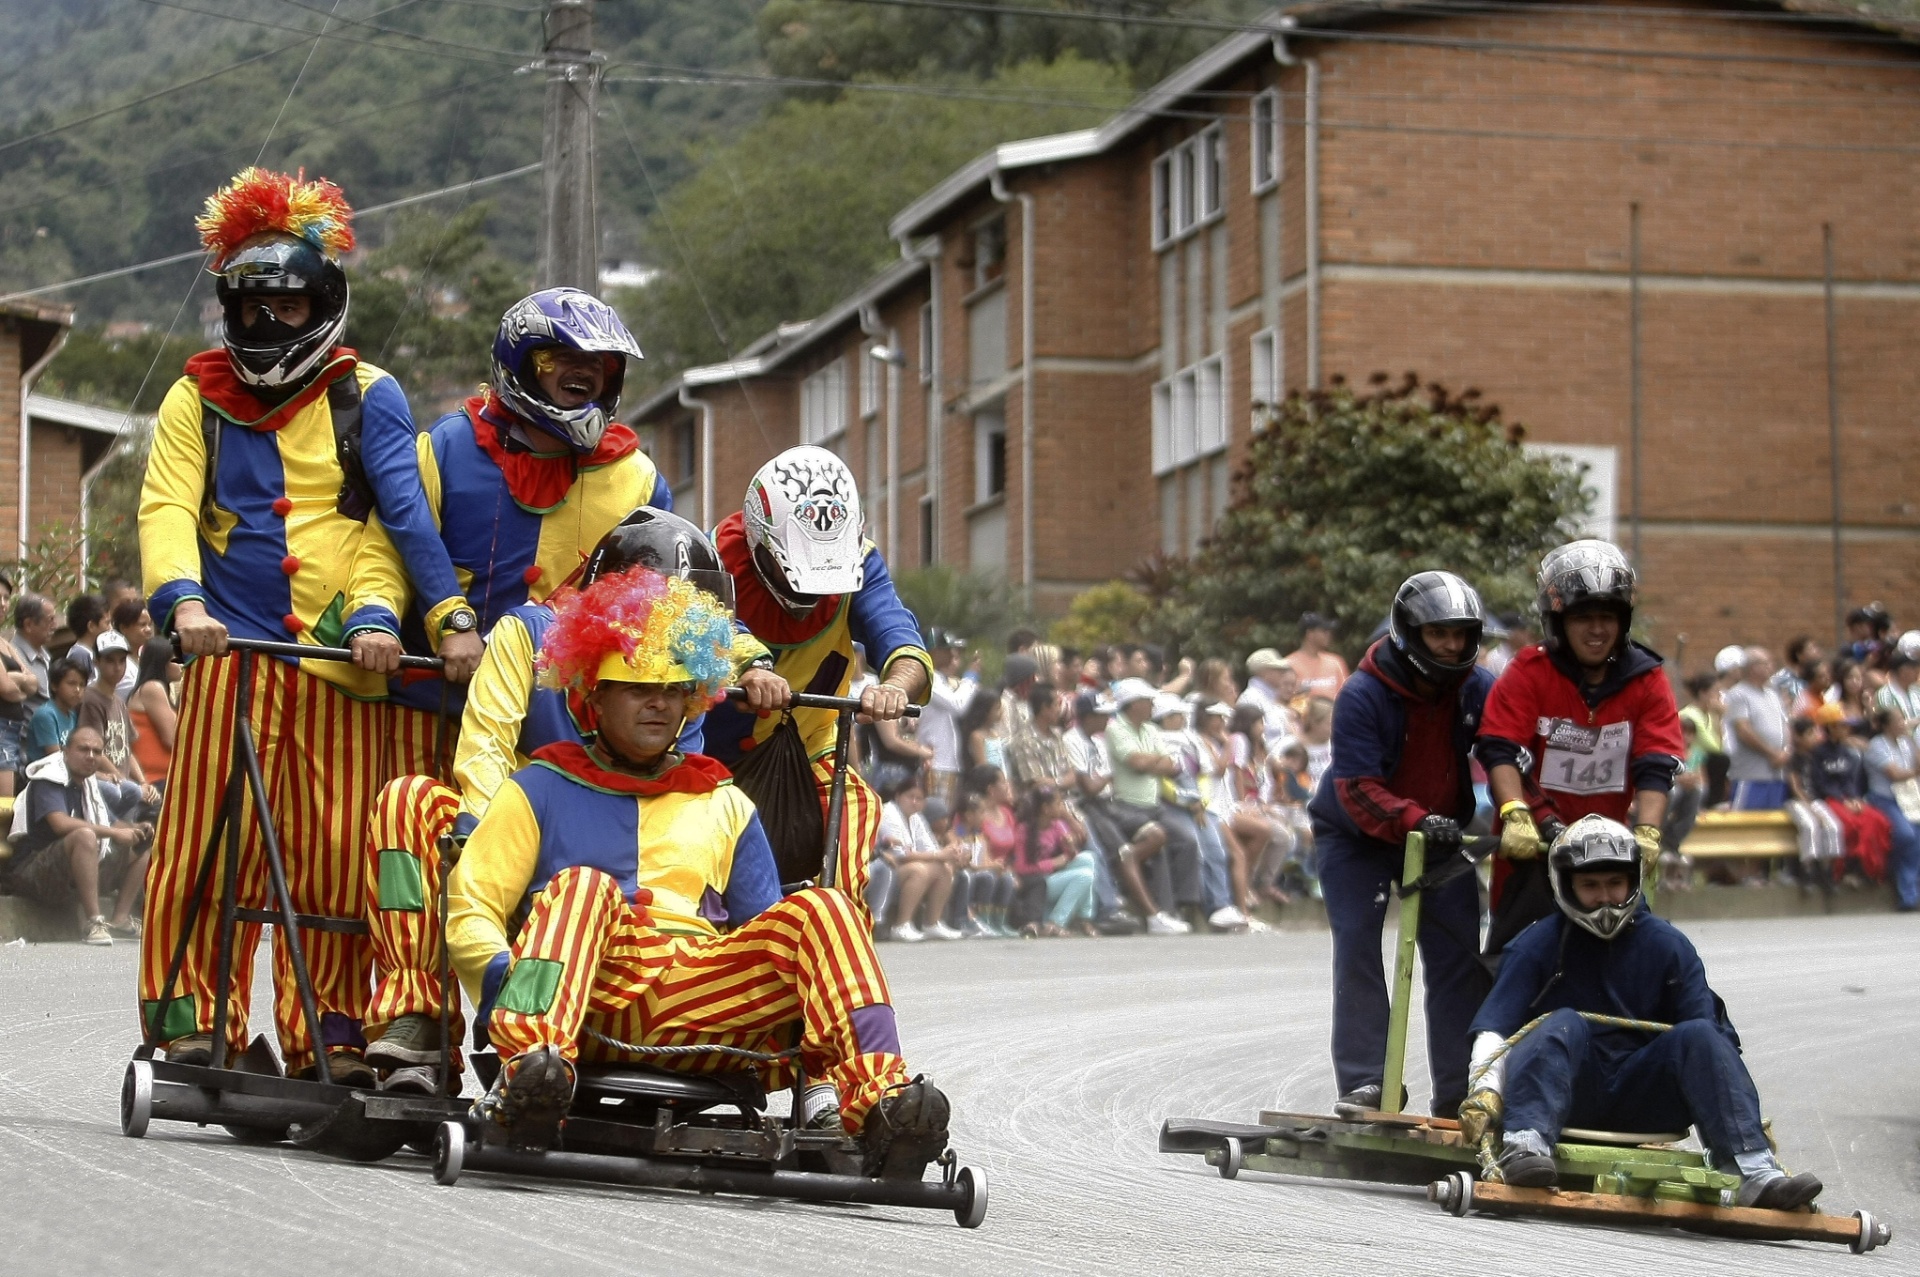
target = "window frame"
x: 1189, y: 186
x: 823, y: 402
x: 1189, y: 415
x: 1265, y: 153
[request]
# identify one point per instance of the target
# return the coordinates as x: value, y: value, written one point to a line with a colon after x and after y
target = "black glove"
x: 1442, y: 834
x: 1550, y: 830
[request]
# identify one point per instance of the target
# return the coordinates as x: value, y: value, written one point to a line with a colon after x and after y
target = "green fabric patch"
x: 530, y: 987
x: 180, y: 1021
x: 402, y: 886
x: 332, y: 625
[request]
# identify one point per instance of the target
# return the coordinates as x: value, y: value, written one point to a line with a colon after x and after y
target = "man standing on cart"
x: 621, y: 892
x: 1582, y: 724
x: 254, y: 505
x: 809, y: 585
x: 1402, y: 727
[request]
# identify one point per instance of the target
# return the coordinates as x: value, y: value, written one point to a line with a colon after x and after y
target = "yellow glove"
x: 1519, y: 838
x: 1648, y: 836
x: 1479, y: 1113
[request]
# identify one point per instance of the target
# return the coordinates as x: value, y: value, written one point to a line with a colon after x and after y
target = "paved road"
x: 1062, y: 1058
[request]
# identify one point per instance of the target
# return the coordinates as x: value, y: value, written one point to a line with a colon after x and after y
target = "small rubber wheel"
x: 136, y: 1099
x: 1460, y: 1200
x: 1233, y: 1158
x: 974, y: 1181
x: 1872, y: 1233
x: 449, y: 1152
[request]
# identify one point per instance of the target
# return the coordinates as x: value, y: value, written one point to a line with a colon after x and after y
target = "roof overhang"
x: 82, y: 416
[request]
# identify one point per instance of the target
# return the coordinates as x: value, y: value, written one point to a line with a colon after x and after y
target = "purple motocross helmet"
x: 578, y: 321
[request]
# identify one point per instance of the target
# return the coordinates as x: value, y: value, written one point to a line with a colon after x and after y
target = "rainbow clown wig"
x: 637, y: 627
x: 258, y: 202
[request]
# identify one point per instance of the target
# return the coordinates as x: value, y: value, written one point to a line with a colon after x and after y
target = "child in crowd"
x: 1316, y: 735
x: 990, y: 833
x: 1050, y: 856
x: 1293, y: 789
x: 910, y: 869
x: 1818, y: 830
x: 1839, y: 783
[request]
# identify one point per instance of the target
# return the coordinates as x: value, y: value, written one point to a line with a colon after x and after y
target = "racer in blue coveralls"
x: 1606, y: 953
x: 1402, y: 726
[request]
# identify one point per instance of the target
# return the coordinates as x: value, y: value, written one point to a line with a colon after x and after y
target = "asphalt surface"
x: 1062, y: 1057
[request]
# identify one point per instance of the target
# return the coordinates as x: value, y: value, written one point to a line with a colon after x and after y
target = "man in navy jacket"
x: 1402, y: 727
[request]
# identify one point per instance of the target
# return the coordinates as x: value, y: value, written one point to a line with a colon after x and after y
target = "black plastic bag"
x: 778, y: 776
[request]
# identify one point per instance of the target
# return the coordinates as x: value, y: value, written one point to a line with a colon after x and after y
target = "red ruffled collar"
x: 222, y: 389
x: 539, y: 483
x: 753, y: 603
x: 693, y: 774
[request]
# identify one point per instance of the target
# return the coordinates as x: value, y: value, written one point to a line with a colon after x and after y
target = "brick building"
x: 43, y: 468
x: 1613, y: 219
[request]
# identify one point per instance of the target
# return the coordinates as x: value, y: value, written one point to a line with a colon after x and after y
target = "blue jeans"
x: 1070, y: 890
x: 1759, y: 795
x: 1216, y: 886
x: 1569, y: 1073
x: 1356, y: 877
x: 1106, y: 892
x: 1903, y: 858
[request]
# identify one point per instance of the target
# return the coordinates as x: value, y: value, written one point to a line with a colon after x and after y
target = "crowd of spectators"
x: 88, y: 710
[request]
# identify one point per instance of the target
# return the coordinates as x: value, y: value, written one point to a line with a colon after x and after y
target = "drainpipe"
x: 999, y: 190
x: 27, y: 378
x: 936, y: 413
x: 706, y: 454
x: 1313, y: 223
x: 870, y: 325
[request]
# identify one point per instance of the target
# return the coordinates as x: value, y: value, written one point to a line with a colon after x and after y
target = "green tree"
x: 1115, y: 612
x: 781, y: 223
x: 1347, y: 493
x: 978, y: 606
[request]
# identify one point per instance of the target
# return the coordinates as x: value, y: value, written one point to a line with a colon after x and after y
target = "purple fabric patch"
x: 712, y: 907
x: 341, y: 1030
x: 874, y: 1030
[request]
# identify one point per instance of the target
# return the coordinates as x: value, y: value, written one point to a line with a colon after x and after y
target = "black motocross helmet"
x: 665, y: 542
x: 1584, y: 574
x: 1436, y: 598
x: 272, y: 354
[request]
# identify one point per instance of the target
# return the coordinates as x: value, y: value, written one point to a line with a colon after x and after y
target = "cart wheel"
x: 1454, y: 1194
x: 136, y: 1099
x: 449, y: 1153
x: 1232, y: 1159
x: 1872, y: 1233
x: 974, y: 1180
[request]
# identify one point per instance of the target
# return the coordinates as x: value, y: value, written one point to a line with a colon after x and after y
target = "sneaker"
x: 129, y: 930
x: 408, y: 1039
x: 904, y: 1132
x: 1257, y: 927
x: 941, y: 931
x: 97, y: 933
x: 195, y: 1048
x: 1118, y: 923
x: 1779, y: 1191
x: 1526, y: 1161
x: 529, y: 1099
x: 1227, y: 918
x: 907, y: 933
x: 978, y: 930
x: 1165, y: 924
x: 412, y: 1079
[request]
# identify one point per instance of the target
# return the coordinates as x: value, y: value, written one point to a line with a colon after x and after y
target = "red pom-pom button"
x: 283, y: 507
x: 533, y: 574
x: 642, y: 897
x: 290, y: 565
x: 293, y: 623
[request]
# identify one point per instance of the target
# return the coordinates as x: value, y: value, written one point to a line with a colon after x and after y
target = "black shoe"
x: 529, y: 1100
x: 1782, y: 1192
x: 1523, y: 1169
x: 904, y: 1132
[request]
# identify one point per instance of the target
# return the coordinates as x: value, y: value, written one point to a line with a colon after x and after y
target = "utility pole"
x: 570, y: 245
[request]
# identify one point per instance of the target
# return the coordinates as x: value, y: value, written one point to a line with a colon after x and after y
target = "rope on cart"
x: 693, y: 1049
x: 1488, y: 1152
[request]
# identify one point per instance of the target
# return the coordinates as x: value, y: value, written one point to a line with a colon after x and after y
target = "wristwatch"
x: 460, y: 621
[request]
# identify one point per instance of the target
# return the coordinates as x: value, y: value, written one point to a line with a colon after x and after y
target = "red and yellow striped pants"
x: 403, y: 870
x: 859, y: 833
x: 584, y: 962
x: 323, y: 756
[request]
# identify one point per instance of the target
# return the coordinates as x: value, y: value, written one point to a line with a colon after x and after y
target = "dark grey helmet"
x: 281, y: 265
x: 1436, y: 598
x: 1583, y: 574
x: 665, y: 542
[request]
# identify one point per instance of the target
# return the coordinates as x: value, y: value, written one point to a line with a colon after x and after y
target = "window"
x: 1189, y: 415
x: 870, y: 371
x: 685, y: 450
x: 1269, y: 380
x: 989, y: 455
x: 989, y: 251
x: 926, y: 342
x: 1189, y: 186
x: 1266, y: 140
x: 823, y: 404
x: 926, y: 529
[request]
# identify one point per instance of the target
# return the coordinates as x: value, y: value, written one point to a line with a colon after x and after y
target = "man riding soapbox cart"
x: 628, y: 1123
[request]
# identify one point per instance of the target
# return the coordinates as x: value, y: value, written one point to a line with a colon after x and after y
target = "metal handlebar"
x: 808, y: 700
x: 305, y: 651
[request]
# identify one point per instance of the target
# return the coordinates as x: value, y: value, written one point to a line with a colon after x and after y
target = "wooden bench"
x: 1726, y: 835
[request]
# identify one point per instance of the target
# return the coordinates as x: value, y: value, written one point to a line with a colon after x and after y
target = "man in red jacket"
x: 1584, y: 723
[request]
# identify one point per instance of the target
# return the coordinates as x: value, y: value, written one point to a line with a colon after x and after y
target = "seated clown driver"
x: 1605, y: 953
x: 618, y: 891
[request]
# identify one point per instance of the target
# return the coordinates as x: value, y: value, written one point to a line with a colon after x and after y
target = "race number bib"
x: 1584, y: 760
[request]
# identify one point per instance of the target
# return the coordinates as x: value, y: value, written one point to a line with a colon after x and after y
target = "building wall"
x: 53, y: 483
x: 10, y: 340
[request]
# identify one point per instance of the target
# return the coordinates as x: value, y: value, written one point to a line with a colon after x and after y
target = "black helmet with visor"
x: 267, y: 352
x: 665, y: 542
x: 1436, y: 598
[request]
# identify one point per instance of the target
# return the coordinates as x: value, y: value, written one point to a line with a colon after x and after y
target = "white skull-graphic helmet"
x: 805, y: 526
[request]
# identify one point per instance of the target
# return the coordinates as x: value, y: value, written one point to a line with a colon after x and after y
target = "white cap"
x: 1129, y: 690
x: 1165, y: 704
x: 1219, y: 709
x: 1730, y: 658
x: 110, y: 641
x: 1910, y: 644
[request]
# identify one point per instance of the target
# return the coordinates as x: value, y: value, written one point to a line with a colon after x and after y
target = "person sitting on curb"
x: 1604, y: 952
x: 66, y: 842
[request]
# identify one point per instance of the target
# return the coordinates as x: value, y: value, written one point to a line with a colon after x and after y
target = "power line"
x: 403, y: 32
x: 493, y: 57
x: 1381, y: 37
x: 403, y: 202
